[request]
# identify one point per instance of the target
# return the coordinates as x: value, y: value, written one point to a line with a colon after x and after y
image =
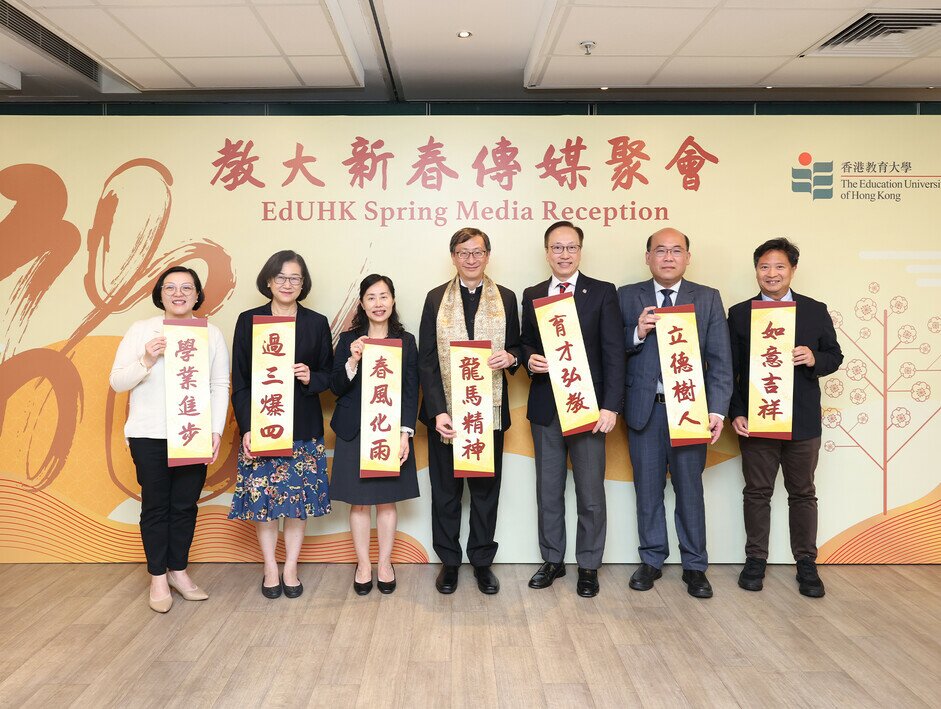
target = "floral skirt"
x: 270, y: 488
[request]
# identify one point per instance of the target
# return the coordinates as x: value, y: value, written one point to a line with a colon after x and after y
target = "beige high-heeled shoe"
x: 161, y: 605
x: 194, y: 594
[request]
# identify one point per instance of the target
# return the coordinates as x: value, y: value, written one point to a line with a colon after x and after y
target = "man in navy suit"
x: 816, y: 354
x: 648, y: 431
x: 596, y: 304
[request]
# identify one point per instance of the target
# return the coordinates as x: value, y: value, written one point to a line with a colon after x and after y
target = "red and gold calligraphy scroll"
x: 684, y: 387
x: 272, y: 385
x: 770, y: 370
x: 472, y: 409
x: 564, y: 348
x: 186, y: 377
x: 381, y: 411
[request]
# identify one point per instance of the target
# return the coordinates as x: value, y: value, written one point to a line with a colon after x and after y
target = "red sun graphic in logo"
x: 804, y: 159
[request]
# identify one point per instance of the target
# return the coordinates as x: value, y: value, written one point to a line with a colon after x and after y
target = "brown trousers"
x: 761, y: 458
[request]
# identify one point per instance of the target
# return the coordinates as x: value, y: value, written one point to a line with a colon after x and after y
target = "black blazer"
x: 346, y: 417
x: 600, y: 319
x: 429, y: 370
x: 814, y: 329
x: 312, y: 347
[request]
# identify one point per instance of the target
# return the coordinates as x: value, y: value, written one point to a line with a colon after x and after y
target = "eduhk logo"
x: 815, y: 178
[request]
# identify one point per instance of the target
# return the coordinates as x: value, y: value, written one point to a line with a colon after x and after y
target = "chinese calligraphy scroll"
x: 564, y: 348
x: 684, y: 387
x: 771, y: 372
x: 472, y: 404
x: 186, y: 377
x: 272, y: 385
x: 381, y: 410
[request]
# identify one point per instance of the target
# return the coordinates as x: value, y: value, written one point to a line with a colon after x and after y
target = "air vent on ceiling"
x: 886, y: 34
x: 37, y: 35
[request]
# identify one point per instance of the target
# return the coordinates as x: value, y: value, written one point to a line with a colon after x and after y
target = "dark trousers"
x: 446, y: 494
x: 761, y: 458
x: 168, y: 505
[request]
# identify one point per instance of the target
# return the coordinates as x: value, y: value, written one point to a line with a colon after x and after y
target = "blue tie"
x: 667, y: 297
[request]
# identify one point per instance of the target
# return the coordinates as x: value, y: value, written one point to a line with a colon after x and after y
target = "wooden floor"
x: 83, y: 635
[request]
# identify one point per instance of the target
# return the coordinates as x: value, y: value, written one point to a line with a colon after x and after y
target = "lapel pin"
x: 584, y: 290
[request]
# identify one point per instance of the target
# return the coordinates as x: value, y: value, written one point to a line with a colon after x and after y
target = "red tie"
x: 563, y: 287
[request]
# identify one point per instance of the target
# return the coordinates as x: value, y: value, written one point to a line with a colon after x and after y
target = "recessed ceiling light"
x: 769, y: 87
x: 464, y: 34
x: 604, y: 88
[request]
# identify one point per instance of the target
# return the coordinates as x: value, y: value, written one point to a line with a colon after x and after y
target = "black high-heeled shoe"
x: 386, y: 587
x: 361, y: 588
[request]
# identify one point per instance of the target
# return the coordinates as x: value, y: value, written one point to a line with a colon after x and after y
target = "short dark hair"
x: 650, y: 238
x: 553, y: 227
x: 360, y: 324
x: 273, y: 267
x: 466, y: 234
x: 158, y: 286
x: 780, y: 244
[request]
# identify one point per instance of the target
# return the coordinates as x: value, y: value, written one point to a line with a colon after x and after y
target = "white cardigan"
x: 147, y: 414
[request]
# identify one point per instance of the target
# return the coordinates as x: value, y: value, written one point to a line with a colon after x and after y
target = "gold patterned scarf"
x: 489, y: 324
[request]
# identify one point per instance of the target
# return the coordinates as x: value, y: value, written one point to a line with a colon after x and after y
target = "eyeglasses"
x: 559, y: 248
x: 281, y: 279
x: 675, y: 252
x: 464, y: 255
x: 186, y: 289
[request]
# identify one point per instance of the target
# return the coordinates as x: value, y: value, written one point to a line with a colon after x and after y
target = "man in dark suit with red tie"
x: 816, y: 354
x: 598, y: 315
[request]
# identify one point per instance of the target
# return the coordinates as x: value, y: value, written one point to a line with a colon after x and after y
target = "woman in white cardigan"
x: 169, y: 496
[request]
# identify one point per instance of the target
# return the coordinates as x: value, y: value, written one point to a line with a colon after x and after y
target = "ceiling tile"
x: 798, y: 4
x: 918, y: 72
x: 301, y: 29
x: 150, y: 73
x: 831, y: 71
x: 163, y: 3
x: 198, y: 31
x: 905, y: 4
x: 237, y: 72
x: 764, y: 33
x: 577, y: 72
x: 647, y: 3
x: 98, y: 31
x: 716, y: 71
x: 627, y: 31
x: 323, y: 71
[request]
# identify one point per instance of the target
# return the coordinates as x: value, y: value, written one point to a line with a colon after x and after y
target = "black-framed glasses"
x: 571, y: 248
x: 464, y: 255
x: 281, y: 279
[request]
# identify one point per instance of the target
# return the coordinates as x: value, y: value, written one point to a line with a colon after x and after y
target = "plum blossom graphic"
x: 921, y: 391
x: 900, y: 417
x: 856, y: 370
x: 907, y: 334
x: 832, y: 418
x: 865, y: 309
x: 924, y: 348
x: 908, y: 369
x: 862, y: 418
x: 898, y: 305
x: 829, y: 446
x: 934, y: 324
x: 873, y: 287
x: 865, y: 333
x: 837, y: 317
x: 833, y: 387
x: 858, y: 396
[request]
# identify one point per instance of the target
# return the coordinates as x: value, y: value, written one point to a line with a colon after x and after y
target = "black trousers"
x: 446, y: 494
x: 168, y: 505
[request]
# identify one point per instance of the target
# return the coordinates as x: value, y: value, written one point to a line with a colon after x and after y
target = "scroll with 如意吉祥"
x: 770, y: 370
x: 472, y: 409
x: 272, y: 385
x: 684, y: 388
x: 381, y: 409
x: 186, y: 377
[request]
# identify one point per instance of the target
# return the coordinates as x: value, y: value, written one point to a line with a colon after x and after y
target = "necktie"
x: 667, y: 297
x: 563, y: 287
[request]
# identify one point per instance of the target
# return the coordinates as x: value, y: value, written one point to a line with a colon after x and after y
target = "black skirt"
x: 347, y: 486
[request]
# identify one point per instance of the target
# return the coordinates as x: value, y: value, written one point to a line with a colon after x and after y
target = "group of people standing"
x: 618, y: 328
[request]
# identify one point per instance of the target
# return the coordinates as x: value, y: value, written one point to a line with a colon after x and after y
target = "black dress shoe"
x: 587, y: 586
x: 642, y: 579
x: 270, y: 591
x: 810, y: 583
x: 697, y: 585
x: 546, y: 574
x: 447, y: 579
x: 292, y: 591
x: 753, y: 574
x: 386, y: 587
x: 361, y: 588
x: 487, y: 581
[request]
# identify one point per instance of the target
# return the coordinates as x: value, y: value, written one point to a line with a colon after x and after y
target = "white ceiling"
x: 520, y: 49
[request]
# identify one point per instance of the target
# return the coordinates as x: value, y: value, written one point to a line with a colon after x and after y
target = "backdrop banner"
x: 93, y: 209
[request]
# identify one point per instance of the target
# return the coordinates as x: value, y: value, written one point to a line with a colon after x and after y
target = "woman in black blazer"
x: 375, y: 317
x: 290, y: 487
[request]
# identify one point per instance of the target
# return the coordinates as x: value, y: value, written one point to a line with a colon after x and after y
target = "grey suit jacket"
x: 643, y: 362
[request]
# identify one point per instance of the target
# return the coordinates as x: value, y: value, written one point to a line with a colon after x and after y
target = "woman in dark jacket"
x: 291, y: 487
x: 376, y: 318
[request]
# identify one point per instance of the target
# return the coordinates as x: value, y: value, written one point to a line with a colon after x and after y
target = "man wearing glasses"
x: 468, y: 307
x: 596, y: 304
x: 648, y: 432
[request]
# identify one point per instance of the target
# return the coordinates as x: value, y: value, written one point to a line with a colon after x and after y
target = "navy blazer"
x: 311, y: 347
x: 643, y: 361
x: 597, y: 307
x: 346, y: 417
x: 814, y: 329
